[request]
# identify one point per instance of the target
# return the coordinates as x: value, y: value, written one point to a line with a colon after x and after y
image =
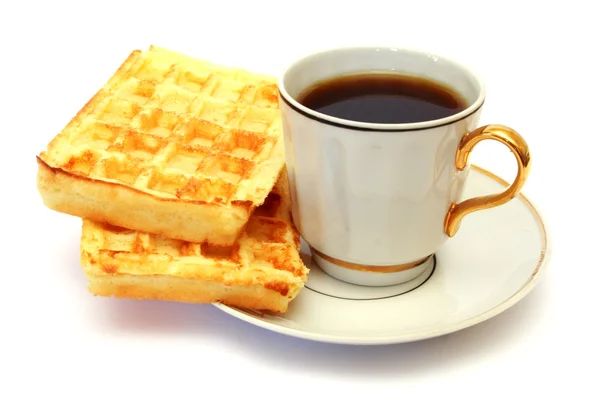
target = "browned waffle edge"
x: 124, y: 206
x: 166, y: 288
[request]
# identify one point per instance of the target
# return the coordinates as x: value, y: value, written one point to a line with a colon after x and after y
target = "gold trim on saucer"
x: 290, y: 327
x: 537, y: 273
x: 371, y: 268
x: 534, y: 212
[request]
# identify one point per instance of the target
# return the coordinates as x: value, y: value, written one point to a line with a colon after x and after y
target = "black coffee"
x: 387, y: 98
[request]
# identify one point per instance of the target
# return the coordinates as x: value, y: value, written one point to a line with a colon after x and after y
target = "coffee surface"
x: 388, y: 98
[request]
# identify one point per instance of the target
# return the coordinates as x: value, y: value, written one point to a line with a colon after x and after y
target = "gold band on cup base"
x: 371, y: 268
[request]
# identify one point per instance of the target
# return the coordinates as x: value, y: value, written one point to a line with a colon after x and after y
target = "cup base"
x: 378, y: 276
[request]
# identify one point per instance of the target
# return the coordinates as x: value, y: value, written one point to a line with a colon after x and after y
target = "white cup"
x: 375, y: 201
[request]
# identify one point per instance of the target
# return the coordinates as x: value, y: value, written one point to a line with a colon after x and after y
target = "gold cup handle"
x: 516, y: 144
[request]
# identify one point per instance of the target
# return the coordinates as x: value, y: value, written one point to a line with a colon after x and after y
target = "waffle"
x: 171, y: 145
x: 264, y: 270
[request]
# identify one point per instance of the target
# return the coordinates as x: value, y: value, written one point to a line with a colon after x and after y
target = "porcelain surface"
x: 496, y: 259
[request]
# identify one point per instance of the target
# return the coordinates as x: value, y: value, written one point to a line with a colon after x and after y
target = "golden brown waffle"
x: 264, y: 271
x: 170, y: 145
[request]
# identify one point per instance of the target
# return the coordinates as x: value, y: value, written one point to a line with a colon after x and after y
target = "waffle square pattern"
x: 172, y: 146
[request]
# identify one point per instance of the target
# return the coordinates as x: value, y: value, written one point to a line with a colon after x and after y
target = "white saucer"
x: 495, y: 260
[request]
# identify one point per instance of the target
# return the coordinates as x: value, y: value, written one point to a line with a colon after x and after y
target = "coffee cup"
x: 377, y: 189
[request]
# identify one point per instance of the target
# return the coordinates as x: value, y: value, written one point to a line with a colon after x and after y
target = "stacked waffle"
x: 176, y: 167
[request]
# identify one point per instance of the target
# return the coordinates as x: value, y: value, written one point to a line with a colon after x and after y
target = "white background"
x: 541, y: 65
